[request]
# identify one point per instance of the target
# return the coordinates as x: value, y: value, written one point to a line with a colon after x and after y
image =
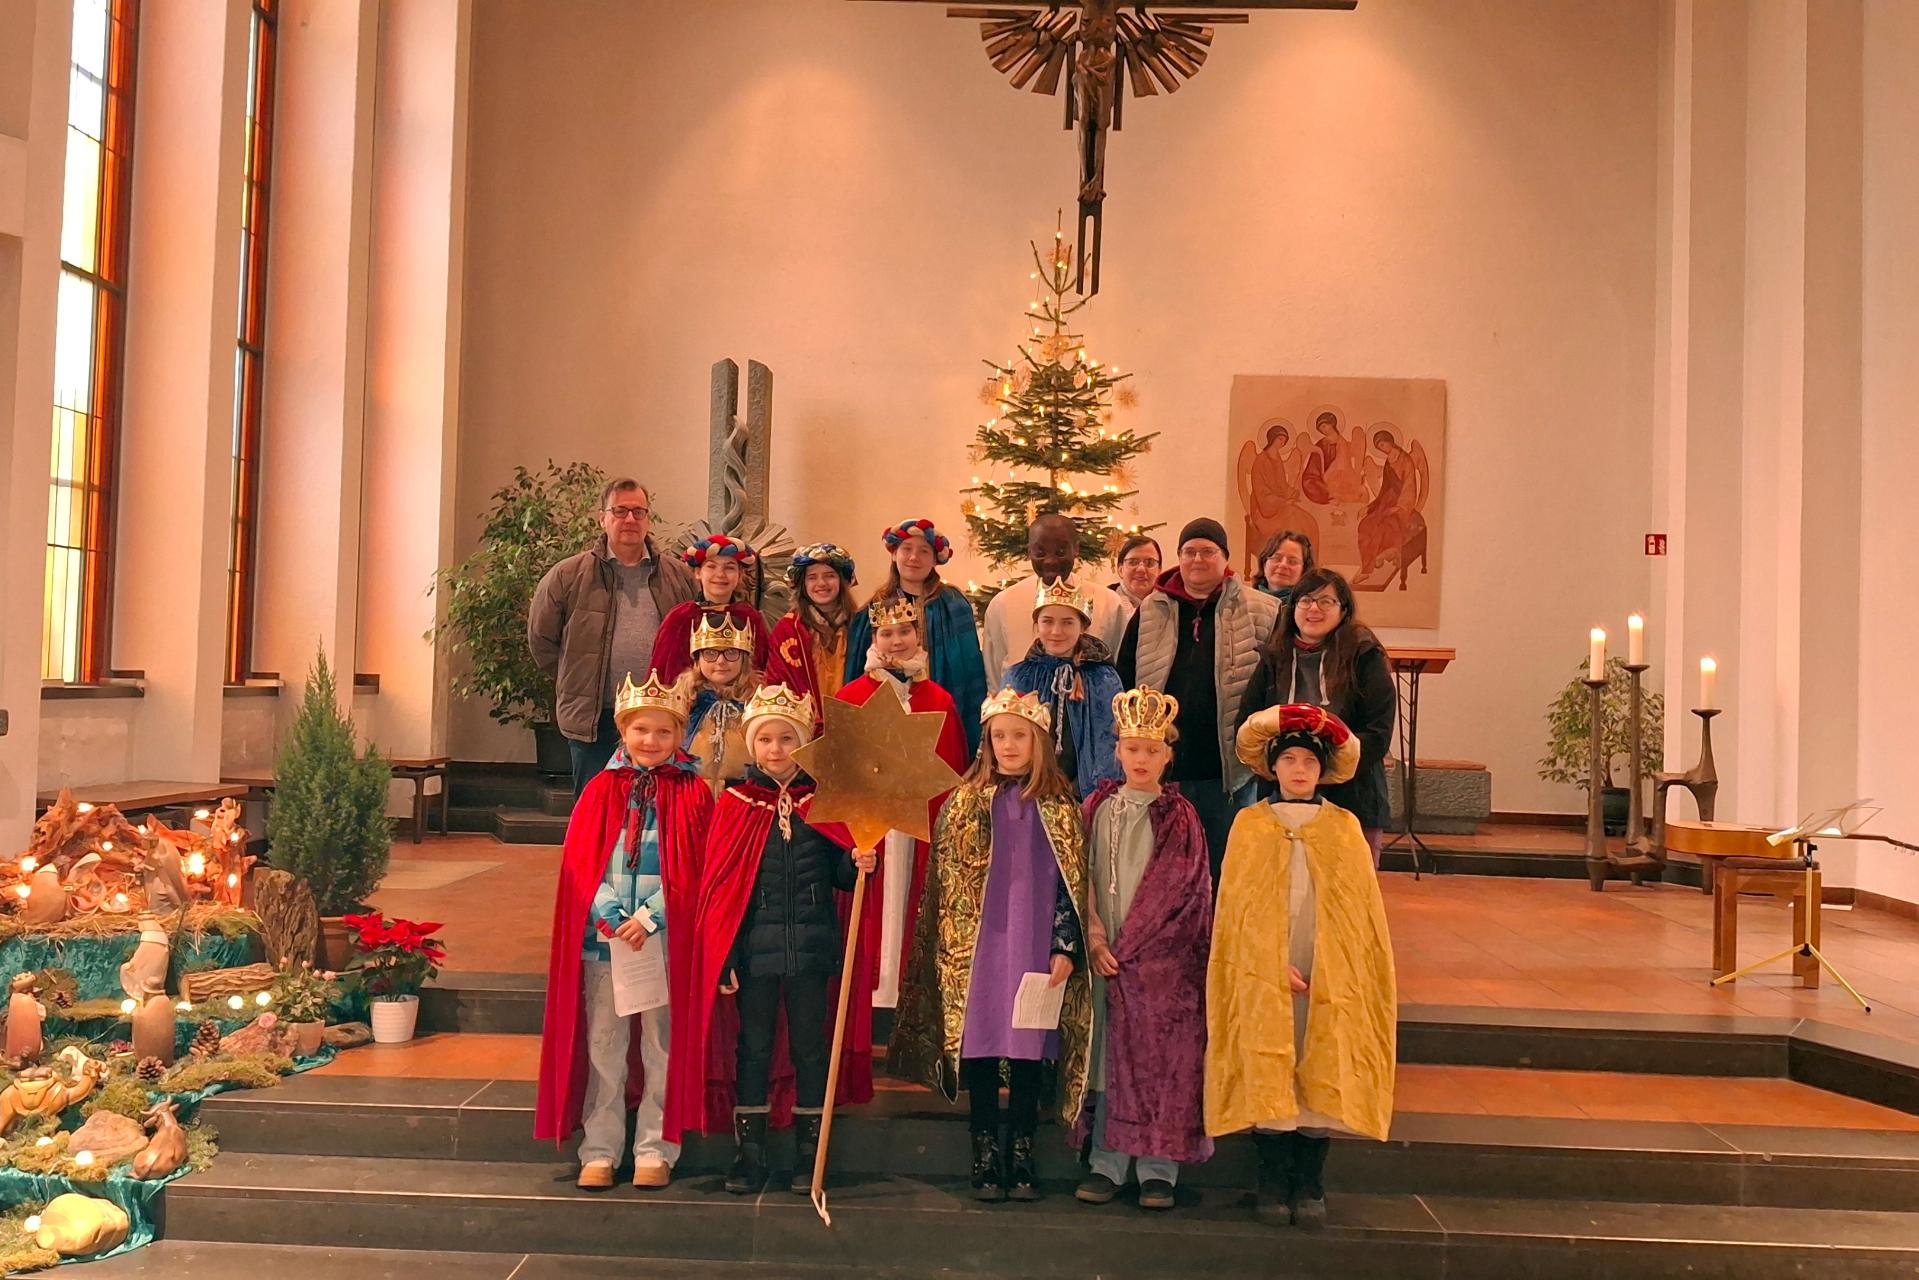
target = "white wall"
x: 1463, y: 190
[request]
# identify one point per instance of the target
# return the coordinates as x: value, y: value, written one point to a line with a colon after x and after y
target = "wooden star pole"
x: 876, y: 768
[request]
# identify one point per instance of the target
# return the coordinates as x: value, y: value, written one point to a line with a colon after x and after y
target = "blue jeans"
x: 591, y: 757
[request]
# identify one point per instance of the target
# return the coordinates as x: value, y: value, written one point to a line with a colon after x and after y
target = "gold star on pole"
x: 877, y: 768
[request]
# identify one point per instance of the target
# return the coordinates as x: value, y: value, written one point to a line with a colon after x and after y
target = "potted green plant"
x: 328, y: 824
x: 534, y: 522
x: 304, y: 996
x: 1568, y: 755
x: 392, y: 960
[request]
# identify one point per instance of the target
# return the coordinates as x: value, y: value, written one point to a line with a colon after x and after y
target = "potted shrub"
x: 536, y: 521
x: 1568, y: 755
x: 392, y: 960
x: 304, y: 995
x: 328, y: 824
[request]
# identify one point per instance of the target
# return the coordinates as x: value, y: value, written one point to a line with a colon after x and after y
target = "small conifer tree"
x: 328, y: 824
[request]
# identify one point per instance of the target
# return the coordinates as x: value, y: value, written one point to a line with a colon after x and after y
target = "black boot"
x: 1273, y: 1189
x: 1022, y: 1179
x: 1309, y: 1190
x: 748, y: 1174
x: 989, y: 1179
x: 806, y: 1149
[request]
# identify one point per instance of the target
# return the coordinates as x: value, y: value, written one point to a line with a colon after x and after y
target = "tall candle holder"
x: 1596, y: 858
x: 1702, y: 780
x: 1641, y: 855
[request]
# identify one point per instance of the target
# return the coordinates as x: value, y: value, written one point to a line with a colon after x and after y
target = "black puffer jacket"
x: 791, y: 925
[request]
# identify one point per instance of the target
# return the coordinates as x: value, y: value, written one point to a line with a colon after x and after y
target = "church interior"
x: 1570, y: 344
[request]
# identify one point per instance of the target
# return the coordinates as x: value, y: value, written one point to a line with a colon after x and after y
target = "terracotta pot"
x: 307, y: 1038
x: 336, y: 943
x: 393, y: 1020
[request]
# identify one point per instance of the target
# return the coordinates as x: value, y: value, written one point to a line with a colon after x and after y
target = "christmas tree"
x: 1054, y: 427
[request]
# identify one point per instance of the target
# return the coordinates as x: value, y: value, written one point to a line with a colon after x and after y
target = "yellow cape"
x: 1353, y: 1005
x: 932, y: 1009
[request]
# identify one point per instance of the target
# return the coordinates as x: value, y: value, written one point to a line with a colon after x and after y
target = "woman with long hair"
x: 1323, y: 655
x: 954, y: 660
x: 808, y: 650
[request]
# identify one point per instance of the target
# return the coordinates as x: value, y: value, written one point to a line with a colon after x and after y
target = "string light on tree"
x: 1055, y: 425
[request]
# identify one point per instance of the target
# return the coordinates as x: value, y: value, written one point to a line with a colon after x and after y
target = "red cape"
x: 673, y: 644
x: 685, y: 804
x: 926, y: 696
x: 792, y: 659
x: 700, y: 1088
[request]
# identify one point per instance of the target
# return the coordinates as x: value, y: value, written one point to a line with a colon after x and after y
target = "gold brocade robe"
x: 932, y: 1010
x: 1346, y: 1070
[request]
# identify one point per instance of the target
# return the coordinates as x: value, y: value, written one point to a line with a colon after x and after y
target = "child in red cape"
x: 896, y: 663
x: 720, y: 567
x: 630, y: 864
x: 768, y: 935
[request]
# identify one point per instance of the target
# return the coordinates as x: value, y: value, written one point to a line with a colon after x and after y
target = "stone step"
x: 1455, y: 796
x: 510, y: 825
x: 915, y: 1134
x: 933, y: 1225
x: 209, y: 1260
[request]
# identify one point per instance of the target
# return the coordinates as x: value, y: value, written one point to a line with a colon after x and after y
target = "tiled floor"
x: 1495, y: 1091
x: 1459, y: 940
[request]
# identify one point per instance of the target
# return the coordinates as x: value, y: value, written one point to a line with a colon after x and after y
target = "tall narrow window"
x: 89, y: 340
x: 249, y: 363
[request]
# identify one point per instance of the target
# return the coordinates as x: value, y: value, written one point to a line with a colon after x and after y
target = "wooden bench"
x: 1735, y: 877
x: 146, y: 795
x: 415, y: 769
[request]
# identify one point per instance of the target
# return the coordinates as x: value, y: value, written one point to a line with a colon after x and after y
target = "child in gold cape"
x: 1301, y: 999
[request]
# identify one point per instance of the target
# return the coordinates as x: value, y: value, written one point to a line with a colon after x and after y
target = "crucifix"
x: 1095, y: 50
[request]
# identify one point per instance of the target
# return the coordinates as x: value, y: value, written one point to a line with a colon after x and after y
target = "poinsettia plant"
x: 394, y: 958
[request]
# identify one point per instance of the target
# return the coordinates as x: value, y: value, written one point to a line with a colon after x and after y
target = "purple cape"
x: 1156, y: 1007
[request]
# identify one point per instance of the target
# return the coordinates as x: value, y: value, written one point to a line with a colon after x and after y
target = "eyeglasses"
x: 628, y: 513
x: 1317, y: 602
x: 1135, y: 562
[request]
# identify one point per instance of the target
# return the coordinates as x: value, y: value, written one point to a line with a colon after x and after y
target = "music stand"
x: 1844, y: 823
x: 1407, y: 665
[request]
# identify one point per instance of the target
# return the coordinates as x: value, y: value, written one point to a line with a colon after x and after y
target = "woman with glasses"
x: 1323, y: 655
x: 1286, y: 558
x: 1139, y: 565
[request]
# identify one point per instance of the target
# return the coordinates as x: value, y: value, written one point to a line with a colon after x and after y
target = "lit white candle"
x: 1708, y: 683
x: 1596, y: 666
x: 1635, y: 640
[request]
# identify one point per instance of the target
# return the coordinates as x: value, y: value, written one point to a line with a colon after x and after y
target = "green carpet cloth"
x: 131, y: 1194
x: 95, y: 962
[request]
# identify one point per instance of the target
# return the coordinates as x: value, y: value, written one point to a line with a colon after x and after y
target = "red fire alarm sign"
x: 1655, y: 544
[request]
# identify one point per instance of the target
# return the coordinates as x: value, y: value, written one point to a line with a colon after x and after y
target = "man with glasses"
x: 1199, y: 637
x: 1138, y: 569
x: 593, y: 620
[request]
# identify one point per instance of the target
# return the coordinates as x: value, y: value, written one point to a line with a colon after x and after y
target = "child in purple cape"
x: 1004, y: 899
x: 1149, y: 925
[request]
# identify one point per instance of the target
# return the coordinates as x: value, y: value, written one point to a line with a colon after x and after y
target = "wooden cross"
x: 1085, y: 46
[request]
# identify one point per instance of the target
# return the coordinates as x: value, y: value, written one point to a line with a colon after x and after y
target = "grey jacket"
x: 1243, y: 622
x: 570, y: 626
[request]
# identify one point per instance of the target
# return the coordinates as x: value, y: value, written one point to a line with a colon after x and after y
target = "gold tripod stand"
x: 1802, y: 946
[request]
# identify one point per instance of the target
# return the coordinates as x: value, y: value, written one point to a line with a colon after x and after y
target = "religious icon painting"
x: 1355, y: 464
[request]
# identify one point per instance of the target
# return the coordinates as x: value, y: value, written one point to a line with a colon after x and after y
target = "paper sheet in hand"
x: 1036, y: 1007
x: 639, y: 977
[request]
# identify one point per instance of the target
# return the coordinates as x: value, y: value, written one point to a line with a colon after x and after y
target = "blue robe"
x: 1088, y: 719
x: 953, y: 658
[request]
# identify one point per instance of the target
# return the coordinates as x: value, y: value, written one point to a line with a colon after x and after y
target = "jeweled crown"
x: 652, y: 695
x: 778, y: 700
x: 1027, y: 706
x: 898, y: 612
x: 1063, y: 592
x: 719, y: 631
x: 1144, y: 713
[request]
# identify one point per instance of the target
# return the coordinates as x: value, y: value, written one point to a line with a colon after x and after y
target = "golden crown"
x: 778, y: 700
x: 1064, y: 593
x: 1144, y: 713
x: 897, y: 612
x: 719, y: 631
x: 1026, y: 706
x: 649, y: 696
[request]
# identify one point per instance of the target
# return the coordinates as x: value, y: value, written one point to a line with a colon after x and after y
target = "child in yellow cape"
x: 1299, y: 1052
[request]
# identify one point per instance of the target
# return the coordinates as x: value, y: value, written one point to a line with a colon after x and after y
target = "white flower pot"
x: 393, y: 1019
